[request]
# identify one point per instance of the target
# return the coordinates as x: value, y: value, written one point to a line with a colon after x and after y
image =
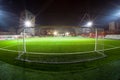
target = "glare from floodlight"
x: 55, y: 33
x: 117, y: 13
x: 67, y: 33
x: 28, y: 23
x: 89, y: 24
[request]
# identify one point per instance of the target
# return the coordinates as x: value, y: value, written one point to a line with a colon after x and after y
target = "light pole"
x: 27, y: 23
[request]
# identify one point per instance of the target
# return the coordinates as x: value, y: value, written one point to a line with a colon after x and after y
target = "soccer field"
x: 55, y: 49
x: 52, y: 44
x: 76, y: 54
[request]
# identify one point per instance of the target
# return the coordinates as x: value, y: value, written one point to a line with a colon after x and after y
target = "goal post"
x: 90, y: 41
x: 96, y: 38
x: 99, y: 40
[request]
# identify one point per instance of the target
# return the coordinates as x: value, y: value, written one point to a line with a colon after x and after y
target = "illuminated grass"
x: 52, y: 45
x: 67, y: 45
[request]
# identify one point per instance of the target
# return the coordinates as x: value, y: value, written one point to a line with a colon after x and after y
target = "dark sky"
x: 58, y: 12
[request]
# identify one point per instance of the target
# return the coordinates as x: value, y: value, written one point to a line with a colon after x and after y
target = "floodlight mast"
x: 27, y: 23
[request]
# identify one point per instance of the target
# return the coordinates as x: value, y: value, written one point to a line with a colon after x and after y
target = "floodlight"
x: 55, y: 33
x: 67, y: 33
x: 28, y: 23
x: 89, y: 24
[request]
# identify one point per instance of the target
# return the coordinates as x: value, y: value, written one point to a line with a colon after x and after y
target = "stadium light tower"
x: 27, y: 23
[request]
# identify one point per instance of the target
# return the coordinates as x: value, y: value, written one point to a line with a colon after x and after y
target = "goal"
x: 61, y: 45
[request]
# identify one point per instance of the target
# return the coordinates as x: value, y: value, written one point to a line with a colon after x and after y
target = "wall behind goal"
x: 9, y: 37
x: 112, y: 37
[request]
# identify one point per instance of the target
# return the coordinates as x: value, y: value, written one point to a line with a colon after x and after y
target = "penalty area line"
x: 9, y: 50
x: 58, y: 53
x: 7, y: 46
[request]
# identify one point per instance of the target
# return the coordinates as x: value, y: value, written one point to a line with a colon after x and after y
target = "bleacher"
x: 112, y: 37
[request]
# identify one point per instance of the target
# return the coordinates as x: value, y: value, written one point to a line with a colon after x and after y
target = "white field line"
x: 101, y: 53
x: 62, y: 53
x: 3, y: 48
x: 73, y: 52
x: 111, y: 48
x: 107, y: 45
x: 9, y: 50
x: 8, y: 46
x: 61, y: 62
x: 20, y: 55
x: 58, y: 53
x: 110, y: 45
x: 45, y: 53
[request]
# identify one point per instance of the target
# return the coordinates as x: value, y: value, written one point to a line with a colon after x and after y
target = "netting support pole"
x: 24, y: 43
x: 96, y: 39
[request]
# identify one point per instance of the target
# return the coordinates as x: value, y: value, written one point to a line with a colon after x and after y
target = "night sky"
x: 58, y: 12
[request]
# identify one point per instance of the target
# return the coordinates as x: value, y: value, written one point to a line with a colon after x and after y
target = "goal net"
x: 61, y: 45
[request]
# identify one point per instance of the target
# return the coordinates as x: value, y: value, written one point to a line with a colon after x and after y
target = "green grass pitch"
x: 59, y: 49
x: 52, y: 45
x: 56, y: 49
